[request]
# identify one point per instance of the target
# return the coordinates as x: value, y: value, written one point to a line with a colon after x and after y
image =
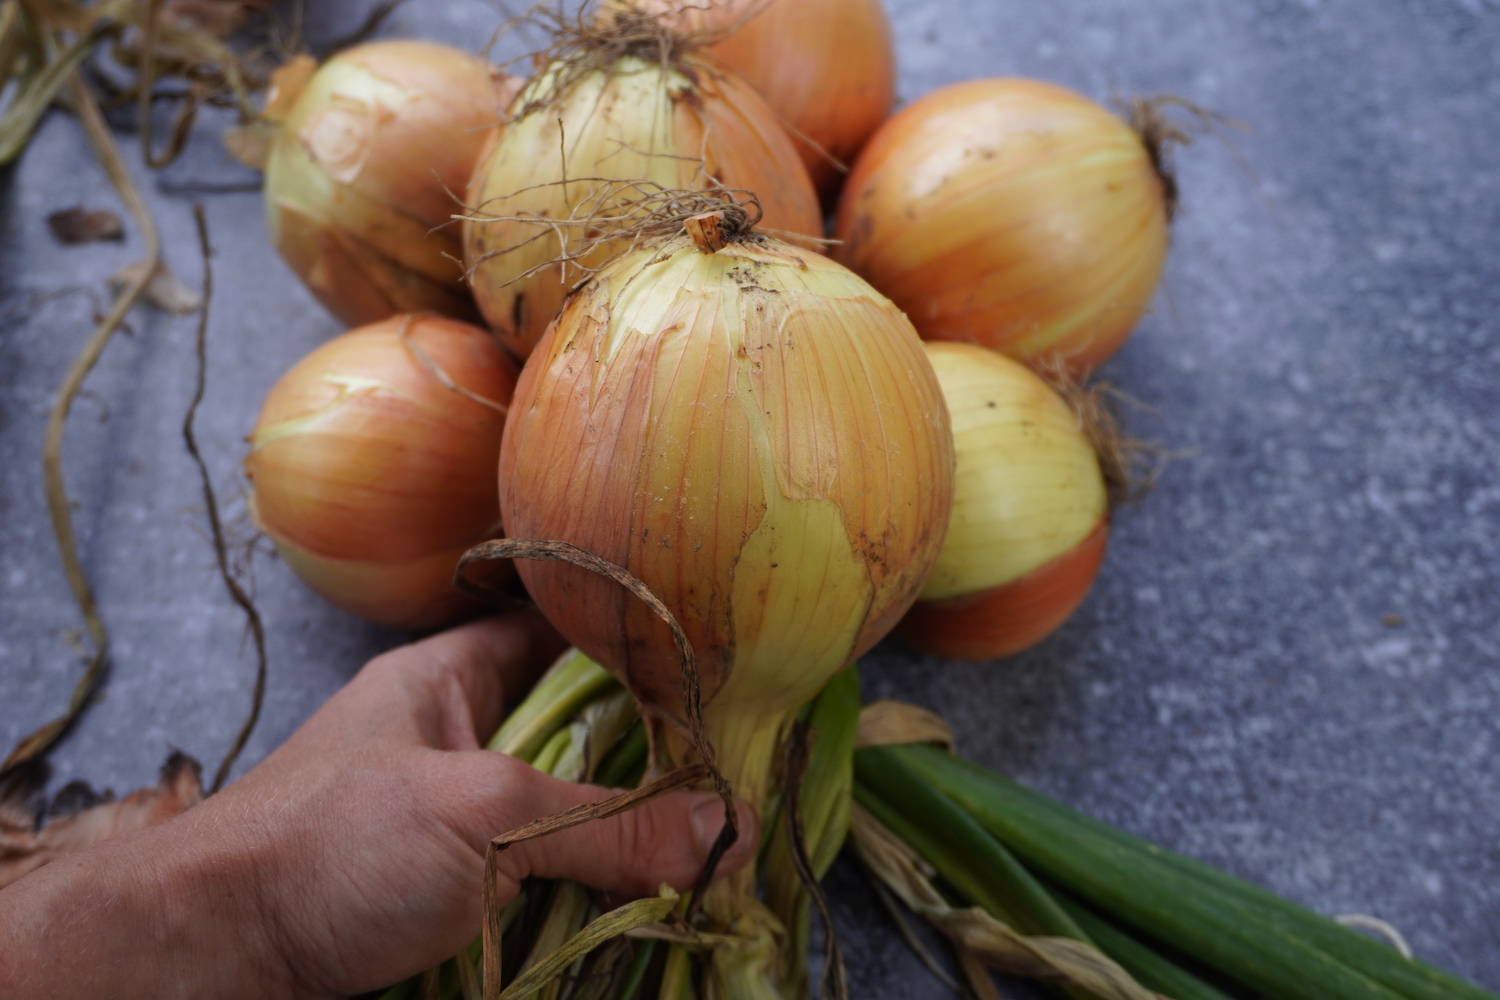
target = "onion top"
x: 589, y: 129
x: 827, y: 68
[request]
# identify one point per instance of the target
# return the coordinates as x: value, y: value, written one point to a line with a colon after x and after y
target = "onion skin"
x: 1015, y: 616
x: 826, y: 67
x: 415, y: 594
x: 372, y: 476
x: 759, y: 437
x: 1030, y: 512
x: 364, y: 174
x: 1012, y: 214
x: 637, y: 121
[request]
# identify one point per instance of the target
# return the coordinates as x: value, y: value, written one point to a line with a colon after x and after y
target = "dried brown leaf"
x: 85, y: 225
x: 976, y: 934
x: 219, y: 18
x: 24, y: 848
x: 885, y: 722
x: 164, y: 291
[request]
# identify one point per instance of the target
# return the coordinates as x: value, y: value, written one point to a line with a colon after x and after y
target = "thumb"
x: 666, y: 839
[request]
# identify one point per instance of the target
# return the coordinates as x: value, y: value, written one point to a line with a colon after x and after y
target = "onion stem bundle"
x: 1125, y: 891
x: 1110, y: 910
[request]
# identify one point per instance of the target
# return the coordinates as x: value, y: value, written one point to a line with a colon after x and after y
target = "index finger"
x: 455, y: 683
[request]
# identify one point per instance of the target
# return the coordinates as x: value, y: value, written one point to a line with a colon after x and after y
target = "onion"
x: 1012, y: 214
x: 758, y: 436
x: 629, y: 117
x: 1030, y: 512
x: 366, y: 168
x: 827, y: 68
x: 373, y: 465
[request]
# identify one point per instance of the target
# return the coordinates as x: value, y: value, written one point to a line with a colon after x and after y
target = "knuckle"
x: 643, y: 840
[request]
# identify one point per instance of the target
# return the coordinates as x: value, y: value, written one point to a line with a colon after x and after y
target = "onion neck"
x: 747, y: 741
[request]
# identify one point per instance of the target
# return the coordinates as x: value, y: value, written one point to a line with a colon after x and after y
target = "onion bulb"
x: 373, y: 465
x: 629, y: 117
x: 1030, y: 512
x: 1012, y: 214
x: 827, y: 68
x: 364, y: 174
x: 757, y: 435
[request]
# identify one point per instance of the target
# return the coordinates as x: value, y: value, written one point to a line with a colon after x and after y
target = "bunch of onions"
x: 828, y: 69
x: 1030, y: 511
x: 362, y: 175
x: 758, y: 436
x: 605, y: 116
x: 1012, y: 214
x: 373, y: 465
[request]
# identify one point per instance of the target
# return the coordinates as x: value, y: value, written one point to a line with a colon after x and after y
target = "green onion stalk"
x: 1163, y: 922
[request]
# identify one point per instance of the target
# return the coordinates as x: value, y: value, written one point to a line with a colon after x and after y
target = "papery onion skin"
x: 1030, y: 512
x: 826, y: 67
x: 367, y: 169
x: 1012, y: 214
x: 637, y: 120
x: 1013, y: 617
x: 759, y: 437
x: 372, y: 475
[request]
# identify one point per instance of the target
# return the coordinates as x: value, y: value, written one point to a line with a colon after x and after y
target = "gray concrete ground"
x: 1322, y: 359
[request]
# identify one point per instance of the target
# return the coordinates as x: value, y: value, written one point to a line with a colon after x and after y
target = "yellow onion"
x: 373, y: 465
x: 758, y: 436
x: 1030, y: 512
x: 827, y: 68
x: 364, y: 175
x: 1012, y: 214
x: 687, y: 124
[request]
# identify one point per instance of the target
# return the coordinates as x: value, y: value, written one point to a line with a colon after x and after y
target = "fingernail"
x: 708, y: 821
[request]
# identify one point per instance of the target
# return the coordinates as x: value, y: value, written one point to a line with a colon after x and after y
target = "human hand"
x: 352, y: 857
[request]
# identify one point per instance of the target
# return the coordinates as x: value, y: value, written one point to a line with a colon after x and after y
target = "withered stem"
x: 103, y: 143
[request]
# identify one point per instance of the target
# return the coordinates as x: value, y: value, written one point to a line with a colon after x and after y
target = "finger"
x: 667, y: 839
x: 448, y: 690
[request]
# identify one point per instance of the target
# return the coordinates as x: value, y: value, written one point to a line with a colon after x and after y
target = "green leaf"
x: 1150, y: 969
x: 962, y: 851
x: 610, y: 925
x: 568, y: 685
x: 1221, y: 929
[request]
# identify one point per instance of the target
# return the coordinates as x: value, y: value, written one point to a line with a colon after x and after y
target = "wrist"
x: 170, y: 911
x: 211, y: 876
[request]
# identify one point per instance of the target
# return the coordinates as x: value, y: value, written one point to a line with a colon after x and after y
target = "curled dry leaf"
x: 251, y: 142
x: 164, y: 292
x: 24, y: 848
x: 85, y: 225
x: 981, y: 940
x: 886, y: 722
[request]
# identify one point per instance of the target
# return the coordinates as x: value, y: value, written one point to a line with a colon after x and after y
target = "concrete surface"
x: 1322, y: 358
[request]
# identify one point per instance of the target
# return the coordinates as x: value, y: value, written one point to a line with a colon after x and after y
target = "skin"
x: 352, y: 857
